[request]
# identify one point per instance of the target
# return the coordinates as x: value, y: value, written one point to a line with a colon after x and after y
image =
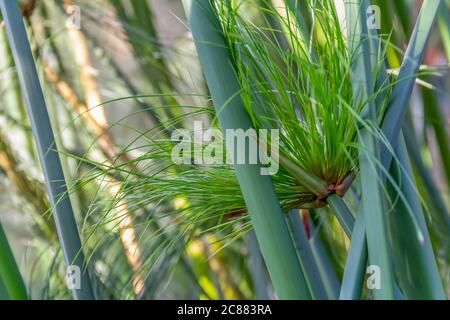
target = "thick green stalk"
x: 355, y: 265
x: 372, y: 196
x: 307, y: 261
x: 314, y: 184
x: 10, y: 90
x: 378, y: 64
x: 42, y: 130
x: 326, y: 270
x: 258, y: 191
x: 374, y: 214
x: 9, y: 271
x: 320, y: 283
x: 342, y: 212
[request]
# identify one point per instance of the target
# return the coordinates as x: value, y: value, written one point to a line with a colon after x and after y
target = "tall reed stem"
x: 258, y: 191
x: 51, y: 165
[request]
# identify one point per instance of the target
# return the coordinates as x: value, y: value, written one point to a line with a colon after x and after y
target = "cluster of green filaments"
x: 300, y: 86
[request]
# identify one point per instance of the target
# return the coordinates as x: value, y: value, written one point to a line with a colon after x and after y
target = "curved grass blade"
x: 54, y: 177
x: 355, y: 265
x: 9, y: 271
x: 412, y: 244
x: 372, y: 197
x: 401, y: 94
x: 410, y: 197
x: 262, y: 203
x: 418, y: 275
x: 430, y: 188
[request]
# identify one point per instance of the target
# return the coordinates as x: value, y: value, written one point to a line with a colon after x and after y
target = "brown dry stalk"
x: 87, y: 72
x: 27, y: 8
x: 105, y: 139
x: 129, y: 240
x: 97, y: 120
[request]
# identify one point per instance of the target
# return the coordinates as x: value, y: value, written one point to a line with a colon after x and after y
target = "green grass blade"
x: 414, y: 257
x: 355, y: 265
x: 274, y: 24
x: 259, y: 194
x: 9, y: 271
x: 406, y: 79
x: 51, y: 165
x: 372, y: 197
x: 326, y: 270
x: 258, y: 269
x: 374, y: 214
x: 414, y: 227
x: 430, y: 188
x: 412, y: 243
x: 307, y: 261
